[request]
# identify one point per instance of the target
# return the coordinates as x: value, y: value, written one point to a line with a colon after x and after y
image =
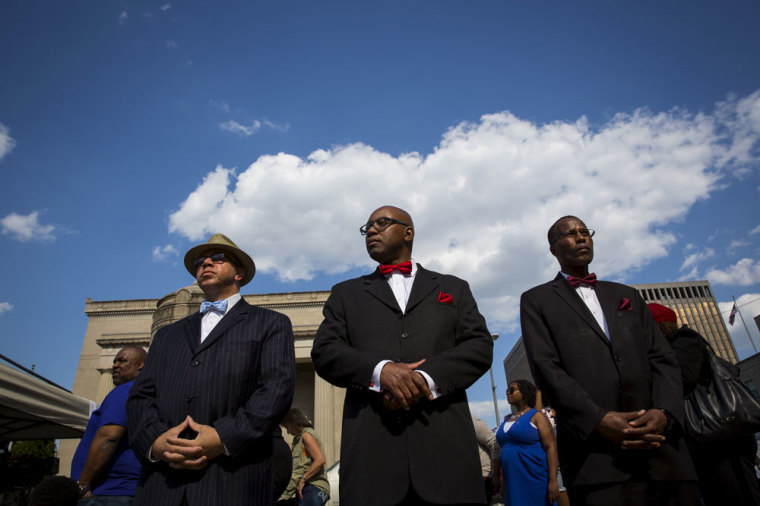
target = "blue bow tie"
x: 220, y: 306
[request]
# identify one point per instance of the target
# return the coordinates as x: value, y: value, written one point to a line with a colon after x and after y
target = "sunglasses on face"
x: 217, y: 258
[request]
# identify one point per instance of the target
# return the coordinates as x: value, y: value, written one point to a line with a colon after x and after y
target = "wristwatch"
x: 670, y: 421
x: 83, y: 488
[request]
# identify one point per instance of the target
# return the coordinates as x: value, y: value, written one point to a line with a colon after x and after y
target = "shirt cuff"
x: 150, y: 454
x: 431, y: 384
x: 374, y: 383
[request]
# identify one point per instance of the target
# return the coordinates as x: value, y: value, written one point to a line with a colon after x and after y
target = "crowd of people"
x: 197, y: 420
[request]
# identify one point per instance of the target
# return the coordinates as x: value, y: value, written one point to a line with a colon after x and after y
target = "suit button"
x: 189, y: 398
x: 617, y: 358
x: 195, y: 363
x: 404, y: 335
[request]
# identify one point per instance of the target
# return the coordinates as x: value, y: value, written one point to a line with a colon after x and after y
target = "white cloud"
x: 6, y: 141
x: 749, y: 307
x: 247, y: 131
x: 5, y: 307
x: 695, y: 258
x: 736, y: 244
x: 241, y: 130
x: 123, y: 16
x: 27, y: 228
x: 161, y: 254
x: 220, y: 105
x: 755, y: 230
x: 170, y: 44
x: 166, y: 7
x: 484, y: 198
x: 745, y: 272
x: 275, y: 126
x: 484, y: 410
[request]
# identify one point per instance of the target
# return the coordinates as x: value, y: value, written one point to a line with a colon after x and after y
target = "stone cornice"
x: 123, y: 339
x: 95, y: 309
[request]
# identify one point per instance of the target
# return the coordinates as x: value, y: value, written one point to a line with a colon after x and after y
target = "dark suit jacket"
x: 432, y: 446
x: 583, y: 375
x: 239, y: 380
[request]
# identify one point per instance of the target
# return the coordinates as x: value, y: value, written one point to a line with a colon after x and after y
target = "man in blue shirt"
x: 104, y: 464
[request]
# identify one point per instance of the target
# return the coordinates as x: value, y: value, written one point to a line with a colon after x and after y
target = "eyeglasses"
x: 217, y: 258
x: 380, y: 224
x: 585, y: 232
x: 512, y: 390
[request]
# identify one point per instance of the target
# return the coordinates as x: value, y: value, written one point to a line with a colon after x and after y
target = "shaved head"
x: 139, y: 353
x: 396, y: 212
x: 392, y: 242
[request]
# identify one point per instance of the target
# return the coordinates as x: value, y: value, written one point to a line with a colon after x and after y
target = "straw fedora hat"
x: 221, y: 242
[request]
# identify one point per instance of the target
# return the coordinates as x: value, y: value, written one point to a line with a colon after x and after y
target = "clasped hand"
x: 402, y: 386
x: 634, y: 430
x: 181, y: 453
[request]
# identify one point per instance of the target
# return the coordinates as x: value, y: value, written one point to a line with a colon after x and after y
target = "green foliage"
x: 40, y: 448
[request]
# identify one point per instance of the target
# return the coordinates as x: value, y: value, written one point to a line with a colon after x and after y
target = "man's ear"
x: 409, y: 234
x: 239, y: 274
x: 552, y: 250
x: 140, y: 365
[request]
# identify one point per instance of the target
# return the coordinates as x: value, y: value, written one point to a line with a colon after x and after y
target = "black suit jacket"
x: 432, y: 446
x: 582, y: 374
x: 240, y: 380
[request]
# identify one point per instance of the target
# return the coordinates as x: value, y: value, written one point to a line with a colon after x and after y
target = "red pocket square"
x: 625, y: 304
x: 446, y: 298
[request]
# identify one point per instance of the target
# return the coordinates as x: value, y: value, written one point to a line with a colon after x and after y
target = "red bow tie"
x: 403, y: 268
x: 587, y: 280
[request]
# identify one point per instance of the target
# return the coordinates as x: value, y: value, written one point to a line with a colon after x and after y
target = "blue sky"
x: 130, y: 131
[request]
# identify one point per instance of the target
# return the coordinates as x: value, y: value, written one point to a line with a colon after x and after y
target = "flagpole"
x: 745, y: 325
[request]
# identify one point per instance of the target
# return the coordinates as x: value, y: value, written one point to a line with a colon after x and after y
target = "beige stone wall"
x: 114, y: 324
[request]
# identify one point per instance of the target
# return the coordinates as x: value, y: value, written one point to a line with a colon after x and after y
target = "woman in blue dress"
x: 528, y: 451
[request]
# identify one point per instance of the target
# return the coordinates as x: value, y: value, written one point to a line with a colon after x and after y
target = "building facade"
x: 114, y: 324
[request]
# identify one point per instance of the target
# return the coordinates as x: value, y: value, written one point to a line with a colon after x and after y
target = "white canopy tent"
x: 33, y: 409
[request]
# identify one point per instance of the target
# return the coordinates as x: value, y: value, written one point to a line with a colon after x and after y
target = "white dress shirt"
x: 211, y: 318
x: 588, y: 296
x: 401, y: 285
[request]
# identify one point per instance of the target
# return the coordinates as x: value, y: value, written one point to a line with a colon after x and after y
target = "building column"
x: 328, y: 417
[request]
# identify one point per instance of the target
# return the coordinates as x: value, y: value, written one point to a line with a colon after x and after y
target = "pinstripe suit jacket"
x: 431, y: 447
x: 240, y: 380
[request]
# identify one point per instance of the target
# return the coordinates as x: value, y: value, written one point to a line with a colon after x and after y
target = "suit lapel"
x: 569, y: 295
x: 609, y: 305
x: 235, y: 315
x: 193, y: 331
x: 378, y: 287
x: 424, y: 283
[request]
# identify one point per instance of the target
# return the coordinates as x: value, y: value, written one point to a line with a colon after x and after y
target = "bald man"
x: 406, y: 343
x: 104, y: 464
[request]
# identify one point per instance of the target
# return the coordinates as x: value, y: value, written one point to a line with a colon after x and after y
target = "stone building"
x: 114, y: 324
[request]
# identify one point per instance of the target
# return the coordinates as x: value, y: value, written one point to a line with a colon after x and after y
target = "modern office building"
x: 516, y: 364
x: 750, y: 373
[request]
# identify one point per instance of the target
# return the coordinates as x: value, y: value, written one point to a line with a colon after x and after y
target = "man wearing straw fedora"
x: 213, y: 388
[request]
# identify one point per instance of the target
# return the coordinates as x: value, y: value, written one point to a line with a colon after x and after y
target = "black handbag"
x: 721, y: 406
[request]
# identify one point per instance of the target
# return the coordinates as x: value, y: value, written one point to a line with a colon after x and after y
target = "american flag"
x: 732, y: 315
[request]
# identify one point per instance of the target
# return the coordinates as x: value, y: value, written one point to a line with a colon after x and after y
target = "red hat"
x: 662, y: 313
